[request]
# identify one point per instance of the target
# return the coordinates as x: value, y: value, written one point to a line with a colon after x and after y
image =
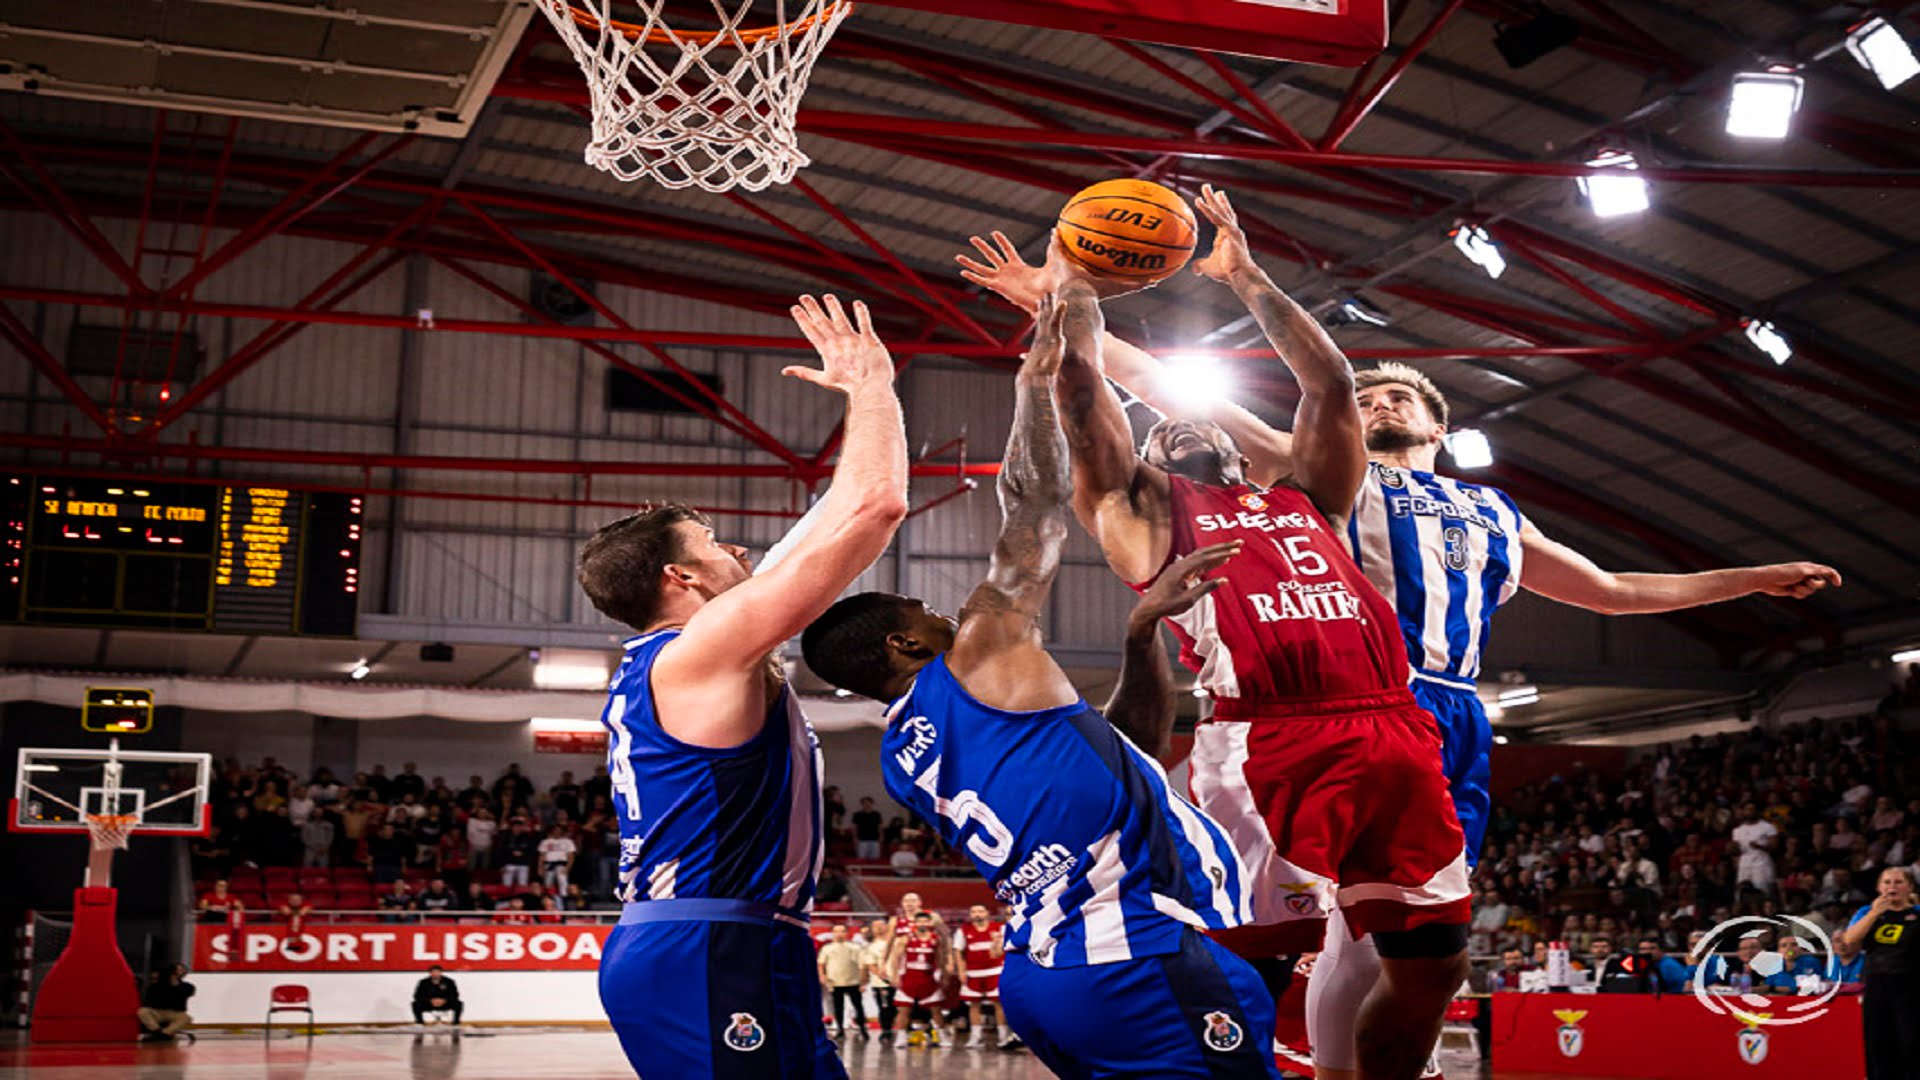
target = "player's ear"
x: 679, y: 575
x: 909, y: 645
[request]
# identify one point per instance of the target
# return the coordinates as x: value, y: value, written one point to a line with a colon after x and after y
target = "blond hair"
x: 1390, y: 372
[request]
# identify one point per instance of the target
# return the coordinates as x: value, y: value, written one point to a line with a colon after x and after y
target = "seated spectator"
x: 399, y: 898
x: 219, y: 904
x: 436, y: 897
x: 513, y: 912
x: 904, y: 859
x: 163, y: 1006
x: 1849, y: 962
x: 1506, y: 978
x: 436, y: 993
x: 294, y: 911
x: 477, y: 898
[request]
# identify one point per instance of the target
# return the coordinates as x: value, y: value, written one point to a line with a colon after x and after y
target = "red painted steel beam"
x: 297, y: 204
x: 1350, y: 115
x: 49, y: 365
x: 1275, y: 124
x: 700, y: 339
x: 1587, y: 292
x: 836, y: 123
x: 140, y: 450
x: 53, y: 200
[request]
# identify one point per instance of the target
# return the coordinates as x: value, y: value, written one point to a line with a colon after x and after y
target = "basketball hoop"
x: 111, y: 830
x: 714, y: 109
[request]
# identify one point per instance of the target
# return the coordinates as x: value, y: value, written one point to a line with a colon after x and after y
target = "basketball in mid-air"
x: 1130, y: 230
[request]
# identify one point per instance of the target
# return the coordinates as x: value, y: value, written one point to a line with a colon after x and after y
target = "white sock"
x: 1342, y: 975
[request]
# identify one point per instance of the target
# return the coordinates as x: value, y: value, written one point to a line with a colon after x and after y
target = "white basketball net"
x: 111, y: 830
x: 715, y: 109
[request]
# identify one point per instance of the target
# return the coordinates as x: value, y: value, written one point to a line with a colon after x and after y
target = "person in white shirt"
x: 480, y: 832
x: 299, y: 804
x: 1755, y: 838
x: 556, y: 859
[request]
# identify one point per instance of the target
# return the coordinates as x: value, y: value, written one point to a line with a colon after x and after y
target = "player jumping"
x: 1110, y: 874
x: 1317, y: 759
x: 1446, y: 553
x: 716, y: 774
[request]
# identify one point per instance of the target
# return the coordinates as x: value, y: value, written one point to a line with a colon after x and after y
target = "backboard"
x: 164, y: 792
x: 1340, y: 33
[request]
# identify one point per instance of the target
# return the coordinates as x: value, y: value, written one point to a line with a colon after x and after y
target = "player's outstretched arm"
x: 1558, y: 572
x: 731, y: 636
x: 1328, y: 450
x: 1142, y: 705
x: 1118, y: 498
x: 1001, y: 270
x: 998, y: 653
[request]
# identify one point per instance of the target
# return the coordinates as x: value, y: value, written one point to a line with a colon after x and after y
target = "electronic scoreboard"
x: 138, y: 553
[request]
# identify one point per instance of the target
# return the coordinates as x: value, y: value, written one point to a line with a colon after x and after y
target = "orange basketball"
x: 1132, y: 230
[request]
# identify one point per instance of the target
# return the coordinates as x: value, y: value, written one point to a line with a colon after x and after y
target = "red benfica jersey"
x: 976, y: 948
x: 1296, y: 620
x: 918, y: 977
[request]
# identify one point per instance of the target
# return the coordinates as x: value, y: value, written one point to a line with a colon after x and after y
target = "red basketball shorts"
x: 1340, y: 802
x: 982, y: 986
x: 917, y: 988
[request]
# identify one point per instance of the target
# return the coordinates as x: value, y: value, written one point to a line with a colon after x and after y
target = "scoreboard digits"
x: 91, y: 551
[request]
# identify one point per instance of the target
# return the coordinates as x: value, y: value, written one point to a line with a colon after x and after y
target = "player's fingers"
x: 863, y: 320
x: 1007, y: 250
x: 809, y: 324
x: 1831, y: 576
x: 974, y: 265
x: 836, y: 315
x: 805, y: 374
x: 987, y: 250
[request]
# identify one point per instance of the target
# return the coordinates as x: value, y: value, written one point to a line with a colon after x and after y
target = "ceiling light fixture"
x: 1470, y: 448
x: 1479, y: 248
x: 1881, y: 50
x: 1612, y: 194
x: 1762, y: 103
x: 360, y: 671
x: 1768, y: 339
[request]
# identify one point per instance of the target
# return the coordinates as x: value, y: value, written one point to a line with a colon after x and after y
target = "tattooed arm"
x: 1142, y: 705
x: 1328, y: 451
x: 998, y: 653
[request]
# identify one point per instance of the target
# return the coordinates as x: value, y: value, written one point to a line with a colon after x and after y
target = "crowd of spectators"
x: 1630, y: 871
x: 866, y: 837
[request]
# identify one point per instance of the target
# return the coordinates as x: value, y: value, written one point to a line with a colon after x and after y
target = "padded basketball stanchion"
x: 89, y: 995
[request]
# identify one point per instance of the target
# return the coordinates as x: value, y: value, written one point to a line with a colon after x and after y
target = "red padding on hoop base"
x: 89, y: 995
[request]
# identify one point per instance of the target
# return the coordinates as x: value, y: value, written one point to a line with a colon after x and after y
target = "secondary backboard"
x: 1341, y: 33
x: 164, y: 792
x: 425, y: 66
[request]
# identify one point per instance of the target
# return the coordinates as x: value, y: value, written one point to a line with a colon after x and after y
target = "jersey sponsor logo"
x: 1571, y: 1039
x: 1889, y: 934
x: 920, y: 734
x: 1257, y: 522
x: 1042, y: 868
x: 1290, y: 600
x: 1223, y: 1032
x: 1253, y: 502
x: 744, y: 1033
x: 1426, y: 506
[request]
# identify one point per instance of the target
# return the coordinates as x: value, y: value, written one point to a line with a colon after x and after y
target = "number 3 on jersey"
x: 994, y: 842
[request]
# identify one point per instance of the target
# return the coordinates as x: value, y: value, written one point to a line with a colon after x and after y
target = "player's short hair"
x: 1391, y: 372
x: 620, y: 566
x: 847, y: 644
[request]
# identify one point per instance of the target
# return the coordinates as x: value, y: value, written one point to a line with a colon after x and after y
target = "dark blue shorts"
x: 733, y: 998
x: 1199, y: 1014
x: 1466, y: 739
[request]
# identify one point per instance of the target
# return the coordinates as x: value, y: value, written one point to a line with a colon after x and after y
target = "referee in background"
x: 1889, y: 931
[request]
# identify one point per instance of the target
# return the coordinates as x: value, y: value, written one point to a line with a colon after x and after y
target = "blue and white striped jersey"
x: 1446, y: 553
x: 735, y: 824
x: 1073, y: 826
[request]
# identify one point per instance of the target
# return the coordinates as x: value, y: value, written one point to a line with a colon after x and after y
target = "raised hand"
x: 1798, y: 580
x: 1230, y: 253
x: 851, y: 354
x: 1042, y: 359
x: 1183, y: 584
x: 1005, y: 273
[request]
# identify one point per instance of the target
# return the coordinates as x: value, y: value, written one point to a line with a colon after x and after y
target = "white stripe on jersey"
x: 1218, y: 778
x: 1431, y: 532
x: 1478, y: 543
x: 1040, y: 940
x: 1105, y: 918
x: 1213, y: 861
x: 661, y: 881
x: 1444, y: 887
x: 1174, y: 909
x: 1375, y: 549
x: 805, y: 802
x: 1216, y: 668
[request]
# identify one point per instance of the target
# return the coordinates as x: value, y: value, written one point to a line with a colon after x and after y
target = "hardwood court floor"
x: 482, y: 1054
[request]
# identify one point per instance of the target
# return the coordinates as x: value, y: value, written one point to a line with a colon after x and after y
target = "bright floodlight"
x: 1769, y: 340
x: 570, y: 669
x: 1470, y: 449
x: 1518, y: 695
x: 1906, y: 656
x: 1480, y: 250
x: 1195, y: 382
x: 1614, y: 193
x: 1881, y: 50
x: 360, y: 671
x: 1501, y: 740
x: 1763, y: 103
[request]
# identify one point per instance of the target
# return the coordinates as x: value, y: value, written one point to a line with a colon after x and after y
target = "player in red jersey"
x: 919, y: 959
x: 977, y: 955
x: 1317, y: 760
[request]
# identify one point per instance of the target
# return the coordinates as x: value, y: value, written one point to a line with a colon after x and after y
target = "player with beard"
x: 1446, y: 553
x: 1317, y: 759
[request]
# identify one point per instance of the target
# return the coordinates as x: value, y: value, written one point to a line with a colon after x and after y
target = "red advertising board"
x: 399, y: 947
x: 570, y: 742
x: 1672, y: 1037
